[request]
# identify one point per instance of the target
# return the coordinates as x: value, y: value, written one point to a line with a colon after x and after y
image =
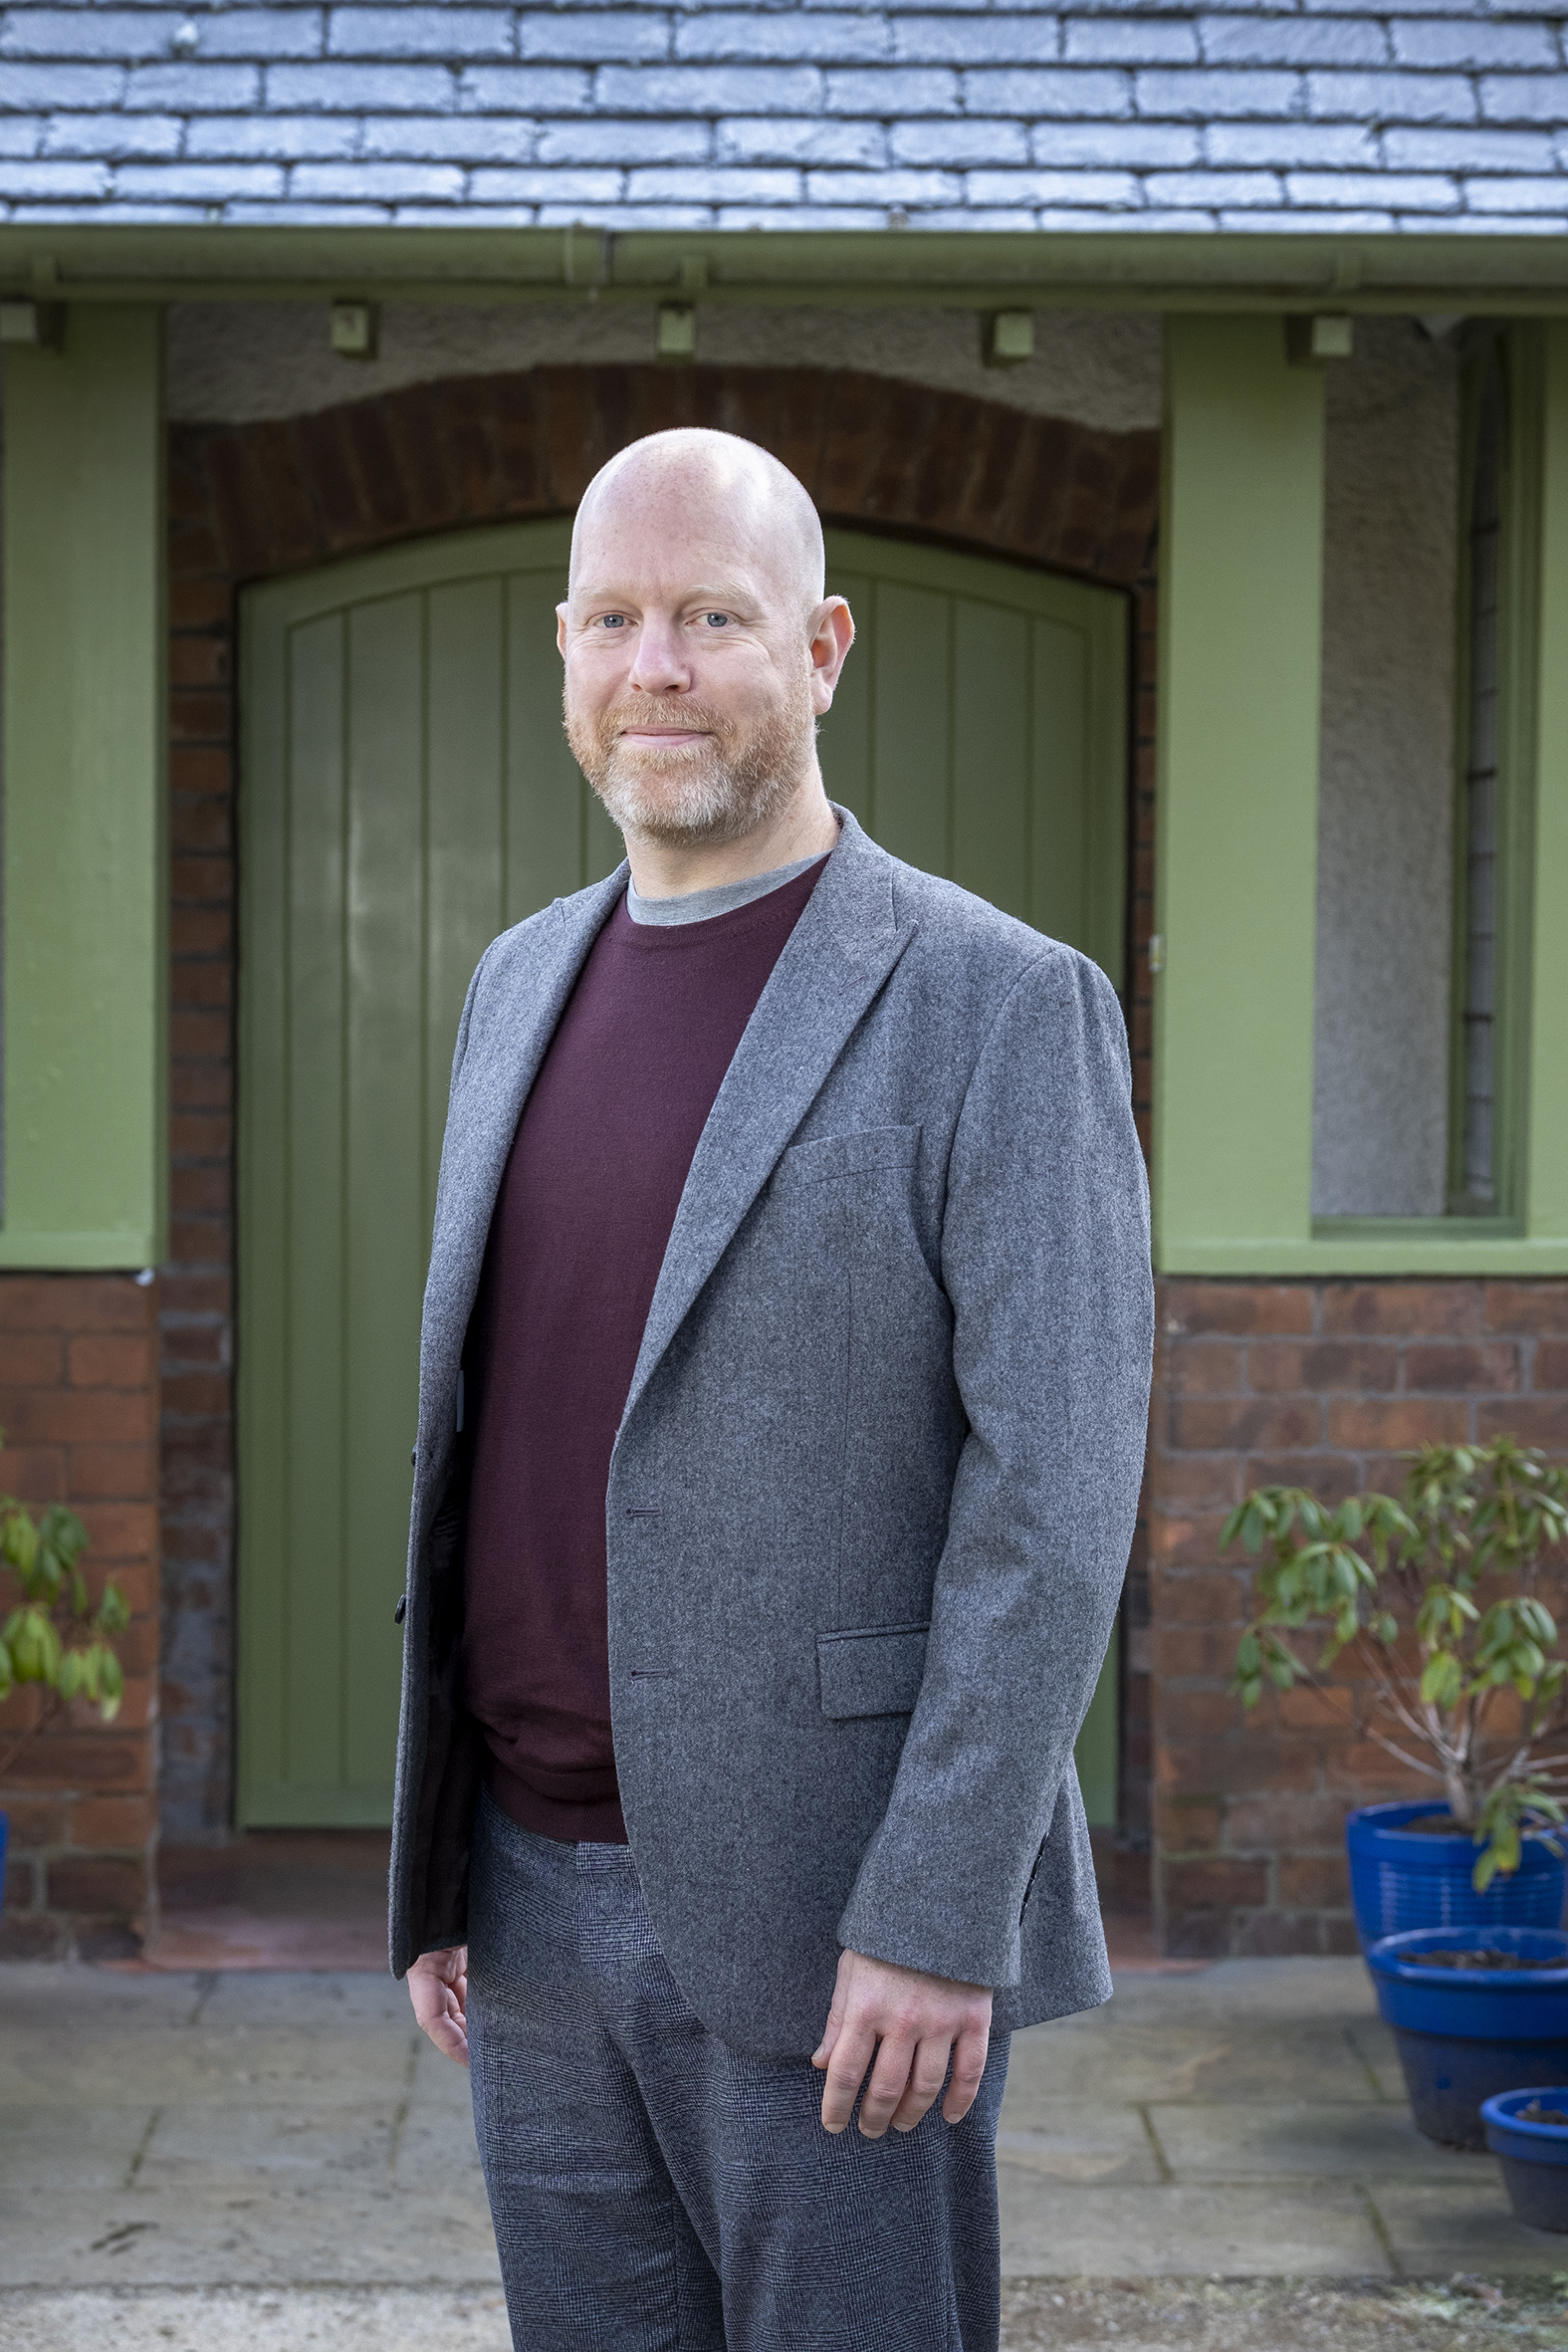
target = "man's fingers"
x: 889, y: 2081
x: 845, y: 2071
x: 969, y: 2064
x: 925, y: 2077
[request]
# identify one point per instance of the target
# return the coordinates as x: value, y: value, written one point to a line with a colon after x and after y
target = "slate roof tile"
x: 1131, y: 41
x: 1524, y: 97
x: 1408, y: 114
x: 341, y: 87
x: 618, y: 35
x: 954, y: 145
x: 756, y: 32
x: 113, y: 136
x: 597, y: 141
x: 889, y: 91
x: 450, y: 139
x: 787, y: 139
x: 452, y: 34
x: 1147, y: 146
x: 182, y: 89
x: 261, y: 33
x: 287, y: 135
x: 363, y: 182
x: 1074, y: 94
x: 1392, y: 98
x: 200, y: 183
x: 1213, y: 188
x: 973, y: 41
x: 1293, y: 41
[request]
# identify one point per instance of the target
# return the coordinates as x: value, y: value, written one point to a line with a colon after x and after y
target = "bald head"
x: 700, y: 484
x: 700, y: 653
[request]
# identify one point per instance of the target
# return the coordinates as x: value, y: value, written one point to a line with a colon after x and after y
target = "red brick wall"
x: 78, y: 1404
x: 249, y: 501
x: 1323, y: 1385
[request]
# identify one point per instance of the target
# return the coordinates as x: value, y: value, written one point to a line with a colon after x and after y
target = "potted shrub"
x: 55, y: 1635
x: 1476, y: 2012
x: 1437, y: 1595
x: 1528, y: 2130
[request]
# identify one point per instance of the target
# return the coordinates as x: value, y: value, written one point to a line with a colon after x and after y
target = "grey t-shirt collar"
x: 699, y: 906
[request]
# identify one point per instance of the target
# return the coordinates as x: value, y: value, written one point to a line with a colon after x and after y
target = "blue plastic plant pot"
x: 1399, y: 1883
x: 1466, y: 2034
x: 1534, y: 2156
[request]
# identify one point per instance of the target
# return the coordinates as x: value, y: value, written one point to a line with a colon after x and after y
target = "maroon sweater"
x: 578, y: 1234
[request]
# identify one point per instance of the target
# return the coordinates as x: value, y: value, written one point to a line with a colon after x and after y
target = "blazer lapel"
x: 834, y: 962
x: 494, y: 1082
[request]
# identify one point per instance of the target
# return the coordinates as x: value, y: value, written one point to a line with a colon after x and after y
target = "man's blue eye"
x: 717, y: 620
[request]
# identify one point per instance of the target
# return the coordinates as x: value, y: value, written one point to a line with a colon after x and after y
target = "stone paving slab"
x: 1363, y: 2143
x: 1178, y: 2229
x: 295, y: 2136
x: 312, y: 2232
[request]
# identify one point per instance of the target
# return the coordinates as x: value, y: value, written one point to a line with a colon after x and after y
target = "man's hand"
x: 917, y: 2021
x: 438, y: 1988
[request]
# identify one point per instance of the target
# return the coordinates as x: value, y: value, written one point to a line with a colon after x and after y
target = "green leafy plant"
x: 1437, y: 1594
x: 55, y: 1635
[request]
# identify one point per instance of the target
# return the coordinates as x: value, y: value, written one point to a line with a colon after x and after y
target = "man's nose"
x: 661, y: 666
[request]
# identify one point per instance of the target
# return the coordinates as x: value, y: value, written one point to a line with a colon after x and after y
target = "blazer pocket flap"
x: 828, y: 1156
x: 871, y: 1670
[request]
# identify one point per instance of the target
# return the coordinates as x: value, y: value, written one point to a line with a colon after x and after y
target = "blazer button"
x: 401, y: 1610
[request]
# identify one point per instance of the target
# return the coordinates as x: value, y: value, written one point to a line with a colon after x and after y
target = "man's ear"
x: 832, y: 632
x: 560, y: 629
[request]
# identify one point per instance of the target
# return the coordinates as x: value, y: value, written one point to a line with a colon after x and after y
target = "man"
x: 783, y: 1392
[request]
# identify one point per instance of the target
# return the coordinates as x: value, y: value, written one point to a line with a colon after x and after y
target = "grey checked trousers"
x: 653, y: 2190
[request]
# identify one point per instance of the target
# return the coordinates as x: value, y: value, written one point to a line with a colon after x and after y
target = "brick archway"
x: 248, y: 502
x: 253, y: 499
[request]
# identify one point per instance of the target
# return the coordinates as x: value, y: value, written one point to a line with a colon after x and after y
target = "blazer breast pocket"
x: 826, y: 1157
x: 871, y: 1670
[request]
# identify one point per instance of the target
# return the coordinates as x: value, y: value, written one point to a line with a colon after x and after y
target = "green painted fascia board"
x: 1236, y: 853
x: 86, y: 849
x: 1426, y: 1249
x: 960, y: 269
x: 87, y: 1252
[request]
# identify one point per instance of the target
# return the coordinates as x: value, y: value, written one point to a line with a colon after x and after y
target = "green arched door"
x: 406, y: 792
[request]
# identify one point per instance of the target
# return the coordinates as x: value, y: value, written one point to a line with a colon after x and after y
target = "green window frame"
x: 85, y: 731
x: 1236, y: 882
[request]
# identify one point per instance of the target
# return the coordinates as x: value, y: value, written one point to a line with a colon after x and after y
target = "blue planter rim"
x: 1399, y: 1956
x: 1383, y: 1823
x: 1502, y: 2113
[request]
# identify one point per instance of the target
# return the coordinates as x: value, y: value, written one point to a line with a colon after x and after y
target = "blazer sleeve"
x: 1046, y: 1260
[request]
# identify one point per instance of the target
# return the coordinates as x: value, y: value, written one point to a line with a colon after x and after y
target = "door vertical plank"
x: 263, y: 1361
x: 845, y: 746
x: 1060, y: 783
x: 464, y: 725
x: 387, y: 1239
x: 991, y: 762
x: 311, y: 1265
x: 912, y: 682
x: 544, y: 811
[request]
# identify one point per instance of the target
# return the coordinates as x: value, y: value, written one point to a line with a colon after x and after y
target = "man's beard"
x: 718, y: 790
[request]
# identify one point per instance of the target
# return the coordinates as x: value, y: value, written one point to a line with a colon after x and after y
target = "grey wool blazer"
x: 872, y: 1495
